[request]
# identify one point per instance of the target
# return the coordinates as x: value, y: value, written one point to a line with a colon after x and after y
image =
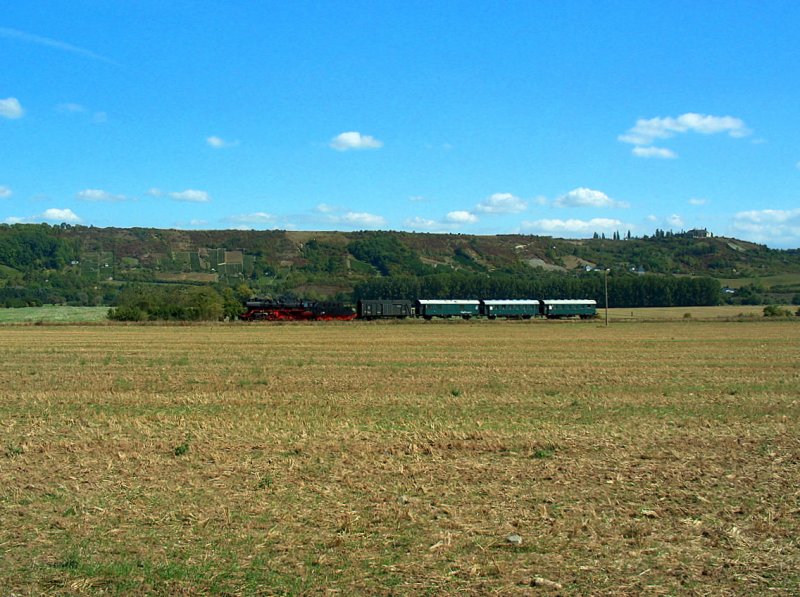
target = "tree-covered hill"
x: 86, y: 265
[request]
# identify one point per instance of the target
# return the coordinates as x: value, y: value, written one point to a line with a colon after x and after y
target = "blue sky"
x: 556, y: 118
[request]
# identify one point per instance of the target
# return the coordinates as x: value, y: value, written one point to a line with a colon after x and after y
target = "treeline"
x: 36, y: 295
x: 624, y: 290
x: 26, y: 247
x: 140, y: 302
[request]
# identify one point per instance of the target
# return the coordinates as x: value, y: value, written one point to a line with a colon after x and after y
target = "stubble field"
x: 423, y: 458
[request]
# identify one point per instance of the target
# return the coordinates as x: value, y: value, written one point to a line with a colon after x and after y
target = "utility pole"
x: 605, y: 286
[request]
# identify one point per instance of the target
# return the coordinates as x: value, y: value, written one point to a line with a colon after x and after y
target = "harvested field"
x: 722, y: 312
x: 472, y: 458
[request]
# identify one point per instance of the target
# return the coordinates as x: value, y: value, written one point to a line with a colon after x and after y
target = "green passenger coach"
x: 510, y: 308
x: 583, y: 308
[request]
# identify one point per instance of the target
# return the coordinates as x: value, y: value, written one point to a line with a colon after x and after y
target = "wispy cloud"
x: 191, y: 195
x: 419, y: 223
x: 5, y: 192
x: 11, y: 108
x: 583, y: 197
x: 98, y: 195
x: 675, y: 221
x: 660, y: 153
x: 574, y: 226
x: 256, y: 218
x: 452, y: 221
x: 73, y: 108
x: 778, y: 226
x: 220, y: 143
x: 359, y: 218
x: 338, y: 216
x: 697, y: 201
x: 354, y: 140
x: 502, y: 203
x: 30, y: 38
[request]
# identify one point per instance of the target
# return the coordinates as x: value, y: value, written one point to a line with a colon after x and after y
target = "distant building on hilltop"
x: 697, y: 233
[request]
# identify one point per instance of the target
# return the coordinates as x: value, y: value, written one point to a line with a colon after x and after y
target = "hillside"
x: 93, y: 263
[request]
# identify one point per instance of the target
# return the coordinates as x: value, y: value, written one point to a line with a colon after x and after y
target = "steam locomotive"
x: 259, y: 309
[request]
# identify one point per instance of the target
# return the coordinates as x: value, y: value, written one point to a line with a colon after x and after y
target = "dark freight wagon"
x: 381, y: 309
x: 510, y: 308
x: 554, y: 309
x: 430, y: 308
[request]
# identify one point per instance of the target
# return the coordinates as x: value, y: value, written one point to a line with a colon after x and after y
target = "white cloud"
x: 191, y: 195
x: 675, y: 221
x: 770, y: 225
x: 60, y: 215
x: 334, y: 215
x: 5, y: 192
x: 219, y: 143
x: 573, y: 226
x: 13, y: 220
x: 769, y: 216
x: 258, y: 217
x: 697, y: 201
x: 461, y: 217
x: 660, y: 153
x: 583, y: 197
x: 418, y: 223
x: 645, y: 131
x: 11, y: 108
x: 363, y: 219
x: 354, y: 140
x: 502, y: 203
x: 98, y: 195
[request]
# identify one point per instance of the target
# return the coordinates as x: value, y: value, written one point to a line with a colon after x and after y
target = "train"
x: 486, y: 308
x: 262, y: 309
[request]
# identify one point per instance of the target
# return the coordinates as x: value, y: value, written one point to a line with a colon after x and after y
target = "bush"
x: 168, y: 303
x: 776, y: 311
x: 127, y: 313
